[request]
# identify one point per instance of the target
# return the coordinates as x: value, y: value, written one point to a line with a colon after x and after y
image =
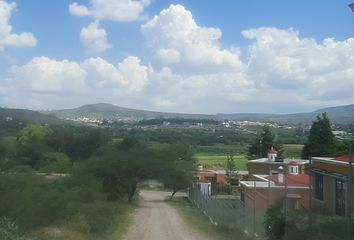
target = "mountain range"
x: 100, y: 111
x: 340, y: 115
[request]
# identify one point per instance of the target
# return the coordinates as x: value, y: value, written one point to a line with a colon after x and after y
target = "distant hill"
x: 339, y: 114
x: 109, y: 111
x: 26, y: 116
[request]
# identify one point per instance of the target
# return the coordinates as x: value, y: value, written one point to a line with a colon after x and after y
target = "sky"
x: 210, y: 56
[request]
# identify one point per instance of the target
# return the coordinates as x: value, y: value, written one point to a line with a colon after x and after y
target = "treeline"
x: 197, y: 137
x: 99, y: 177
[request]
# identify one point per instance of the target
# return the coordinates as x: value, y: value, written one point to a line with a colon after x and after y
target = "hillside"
x: 13, y: 120
x: 109, y: 111
x: 24, y: 115
x: 100, y: 111
x: 339, y: 114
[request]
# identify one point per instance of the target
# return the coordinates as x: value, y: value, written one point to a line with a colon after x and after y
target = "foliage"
x: 77, y: 143
x: 54, y: 162
x: 31, y: 142
x: 320, y: 141
x: 122, y: 167
x: 9, y: 230
x: 201, y: 222
x: 37, y: 202
x: 177, y: 167
x: 261, y: 145
x: 230, y: 162
x: 274, y: 222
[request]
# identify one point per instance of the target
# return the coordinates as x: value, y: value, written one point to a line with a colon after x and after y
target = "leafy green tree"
x: 32, y: 142
x: 122, y: 167
x: 178, y: 167
x: 320, y: 141
x: 262, y: 144
x: 77, y: 143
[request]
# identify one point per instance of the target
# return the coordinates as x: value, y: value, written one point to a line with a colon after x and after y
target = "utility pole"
x: 349, y: 193
x: 260, y: 148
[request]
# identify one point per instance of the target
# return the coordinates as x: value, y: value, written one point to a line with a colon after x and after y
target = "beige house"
x: 332, y: 192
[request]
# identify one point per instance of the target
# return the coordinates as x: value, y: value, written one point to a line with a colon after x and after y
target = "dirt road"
x: 156, y: 220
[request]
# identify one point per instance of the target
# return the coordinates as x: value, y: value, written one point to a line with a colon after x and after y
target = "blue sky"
x: 179, y: 56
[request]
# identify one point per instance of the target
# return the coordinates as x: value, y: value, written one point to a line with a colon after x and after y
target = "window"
x: 318, y: 186
x: 340, y: 188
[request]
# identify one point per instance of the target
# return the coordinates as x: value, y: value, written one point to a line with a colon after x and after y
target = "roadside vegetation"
x: 200, y: 222
x: 76, y: 183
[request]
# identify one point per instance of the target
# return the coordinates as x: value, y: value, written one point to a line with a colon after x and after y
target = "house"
x: 270, y: 165
x: 332, y: 192
x: 266, y: 190
x: 218, y: 178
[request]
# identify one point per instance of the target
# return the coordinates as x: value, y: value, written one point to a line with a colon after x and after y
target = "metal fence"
x: 223, y: 210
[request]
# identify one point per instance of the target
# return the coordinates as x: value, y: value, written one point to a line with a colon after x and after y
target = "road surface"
x: 156, y: 220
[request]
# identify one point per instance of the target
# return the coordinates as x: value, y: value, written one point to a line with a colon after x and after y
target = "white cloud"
x: 48, y: 82
x: 42, y: 74
x: 168, y: 55
x: 281, y: 59
x: 175, y: 37
x: 94, y: 39
x: 113, y: 10
x: 7, y: 38
x: 128, y: 77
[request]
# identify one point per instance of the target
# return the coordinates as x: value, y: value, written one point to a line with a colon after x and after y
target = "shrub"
x: 9, y: 230
x: 274, y: 222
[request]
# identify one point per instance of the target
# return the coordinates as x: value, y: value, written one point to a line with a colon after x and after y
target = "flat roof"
x: 285, y: 161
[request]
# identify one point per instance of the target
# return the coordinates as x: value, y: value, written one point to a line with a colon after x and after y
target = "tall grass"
x: 72, y: 207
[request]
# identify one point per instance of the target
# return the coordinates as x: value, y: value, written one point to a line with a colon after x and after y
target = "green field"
x: 217, y: 161
x: 292, y: 150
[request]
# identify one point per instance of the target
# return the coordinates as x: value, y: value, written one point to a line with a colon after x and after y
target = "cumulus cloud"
x: 7, y: 38
x: 94, y: 39
x: 113, y: 10
x: 283, y: 60
x: 175, y: 37
x: 42, y: 74
x: 127, y: 77
x: 45, y: 80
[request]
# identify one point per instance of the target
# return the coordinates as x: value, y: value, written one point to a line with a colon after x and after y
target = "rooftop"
x: 266, y: 181
x: 285, y: 161
x: 341, y: 160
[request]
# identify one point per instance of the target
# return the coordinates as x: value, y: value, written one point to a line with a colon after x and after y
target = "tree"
x: 274, y: 222
x: 263, y: 143
x: 177, y: 167
x: 122, y: 167
x: 320, y: 141
x: 230, y: 164
x: 32, y: 142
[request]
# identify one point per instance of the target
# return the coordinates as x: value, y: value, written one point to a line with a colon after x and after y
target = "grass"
x: 201, y: 223
x: 77, y: 231
x: 215, y: 160
x: 292, y: 150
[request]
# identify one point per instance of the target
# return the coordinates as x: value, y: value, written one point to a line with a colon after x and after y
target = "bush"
x: 274, y: 223
x: 54, y: 162
x: 9, y: 230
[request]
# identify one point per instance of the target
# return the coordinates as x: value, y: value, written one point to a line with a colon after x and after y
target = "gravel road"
x: 156, y: 220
